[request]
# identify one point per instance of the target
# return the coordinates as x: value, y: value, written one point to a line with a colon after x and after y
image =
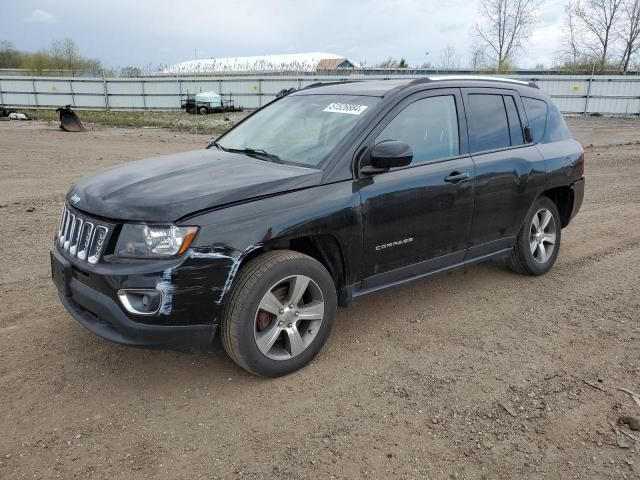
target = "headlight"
x: 139, y: 241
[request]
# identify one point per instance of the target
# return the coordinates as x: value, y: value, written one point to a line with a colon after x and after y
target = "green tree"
x: 36, y: 62
x: 10, y: 57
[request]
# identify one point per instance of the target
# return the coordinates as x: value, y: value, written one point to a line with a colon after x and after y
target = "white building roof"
x: 295, y: 62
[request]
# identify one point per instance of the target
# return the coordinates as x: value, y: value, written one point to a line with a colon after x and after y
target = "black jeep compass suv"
x: 322, y: 196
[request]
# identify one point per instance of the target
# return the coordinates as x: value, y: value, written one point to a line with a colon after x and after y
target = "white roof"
x: 294, y: 62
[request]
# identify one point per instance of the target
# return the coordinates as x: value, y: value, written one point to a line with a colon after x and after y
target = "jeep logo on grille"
x: 75, y: 199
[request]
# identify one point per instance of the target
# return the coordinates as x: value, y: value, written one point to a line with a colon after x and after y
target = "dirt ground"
x: 478, y: 374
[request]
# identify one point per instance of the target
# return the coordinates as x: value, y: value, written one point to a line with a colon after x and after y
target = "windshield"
x: 299, y: 129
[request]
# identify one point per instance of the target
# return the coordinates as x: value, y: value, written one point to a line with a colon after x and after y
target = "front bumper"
x: 103, y: 317
x: 90, y: 295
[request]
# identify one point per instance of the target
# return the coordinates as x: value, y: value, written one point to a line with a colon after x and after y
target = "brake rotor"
x: 265, y: 318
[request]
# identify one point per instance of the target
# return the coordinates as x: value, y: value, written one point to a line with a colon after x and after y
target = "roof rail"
x: 474, y: 77
x: 324, y: 84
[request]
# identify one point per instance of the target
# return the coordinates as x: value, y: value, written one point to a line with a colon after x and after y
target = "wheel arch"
x: 325, y: 248
x: 563, y: 197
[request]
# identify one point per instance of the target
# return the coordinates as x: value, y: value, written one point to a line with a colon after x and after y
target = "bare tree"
x: 449, y: 58
x: 598, y: 19
x: 478, y: 57
x: 505, y: 26
x: 629, y: 32
x: 388, y: 63
x: 571, y: 52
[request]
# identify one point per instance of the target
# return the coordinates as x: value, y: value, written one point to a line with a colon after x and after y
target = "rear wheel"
x: 203, y: 110
x: 538, y: 242
x: 279, y: 313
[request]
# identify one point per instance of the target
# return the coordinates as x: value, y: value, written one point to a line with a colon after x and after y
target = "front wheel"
x: 538, y: 242
x: 279, y: 313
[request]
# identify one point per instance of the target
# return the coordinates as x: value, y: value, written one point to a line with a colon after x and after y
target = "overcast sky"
x: 155, y: 32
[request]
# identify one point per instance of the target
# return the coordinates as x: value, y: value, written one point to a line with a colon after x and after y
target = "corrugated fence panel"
x: 573, y: 94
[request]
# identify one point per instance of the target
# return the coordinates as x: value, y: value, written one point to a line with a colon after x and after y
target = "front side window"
x: 429, y: 126
x: 300, y: 129
x: 488, y: 125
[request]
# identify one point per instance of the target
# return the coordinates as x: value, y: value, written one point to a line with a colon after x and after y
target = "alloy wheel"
x: 288, y: 317
x: 542, y: 237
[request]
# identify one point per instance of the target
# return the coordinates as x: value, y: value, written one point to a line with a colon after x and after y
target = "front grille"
x: 82, y: 236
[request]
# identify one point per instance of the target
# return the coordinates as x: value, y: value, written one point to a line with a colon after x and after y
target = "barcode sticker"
x: 350, y: 108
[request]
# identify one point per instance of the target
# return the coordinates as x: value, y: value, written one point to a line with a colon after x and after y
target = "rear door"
x: 509, y: 171
x: 417, y: 218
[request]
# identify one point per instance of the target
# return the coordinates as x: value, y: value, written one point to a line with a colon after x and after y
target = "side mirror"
x: 528, y: 135
x: 390, y: 154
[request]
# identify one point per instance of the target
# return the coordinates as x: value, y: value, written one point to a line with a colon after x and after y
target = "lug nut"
x: 280, y: 324
x: 289, y: 325
x: 281, y: 310
x: 291, y: 306
x: 297, y: 313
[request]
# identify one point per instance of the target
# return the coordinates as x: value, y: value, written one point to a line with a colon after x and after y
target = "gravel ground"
x: 478, y: 374
x: 212, y: 124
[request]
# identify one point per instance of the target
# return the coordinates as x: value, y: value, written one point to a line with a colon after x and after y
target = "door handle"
x: 457, y: 177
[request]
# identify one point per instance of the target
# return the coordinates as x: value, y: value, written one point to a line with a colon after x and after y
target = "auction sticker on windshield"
x: 350, y: 108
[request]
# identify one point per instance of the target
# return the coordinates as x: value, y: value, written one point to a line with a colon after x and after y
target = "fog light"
x: 141, y: 301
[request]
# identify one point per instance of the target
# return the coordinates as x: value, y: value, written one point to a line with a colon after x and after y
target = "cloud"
x: 40, y: 16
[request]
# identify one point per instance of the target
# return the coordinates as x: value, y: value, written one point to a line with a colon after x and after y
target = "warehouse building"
x: 315, y: 62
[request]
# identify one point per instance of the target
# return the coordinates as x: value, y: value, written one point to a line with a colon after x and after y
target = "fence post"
x: 586, y: 102
x: 179, y: 92
x: 1, y: 97
x: 73, y: 98
x: 105, y: 90
x: 35, y: 93
x: 144, y: 97
x: 259, y: 92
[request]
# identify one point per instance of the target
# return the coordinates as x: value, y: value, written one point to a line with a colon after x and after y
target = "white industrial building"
x: 295, y: 62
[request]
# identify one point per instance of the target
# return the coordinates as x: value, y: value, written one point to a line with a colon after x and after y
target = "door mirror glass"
x: 391, y: 154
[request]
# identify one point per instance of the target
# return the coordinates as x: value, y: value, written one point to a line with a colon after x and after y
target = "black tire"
x: 203, y: 110
x: 523, y: 260
x: 238, y: 325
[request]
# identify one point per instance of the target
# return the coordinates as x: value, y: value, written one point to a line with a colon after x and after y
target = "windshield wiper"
x: 256, y: 153
x: 218, y: 146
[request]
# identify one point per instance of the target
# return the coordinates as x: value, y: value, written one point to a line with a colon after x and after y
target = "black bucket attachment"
x: 69, y: 121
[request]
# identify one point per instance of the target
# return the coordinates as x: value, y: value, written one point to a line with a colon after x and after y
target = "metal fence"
x: 607, y: 95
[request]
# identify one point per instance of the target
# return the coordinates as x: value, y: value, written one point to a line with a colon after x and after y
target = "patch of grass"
x: 212, y: 124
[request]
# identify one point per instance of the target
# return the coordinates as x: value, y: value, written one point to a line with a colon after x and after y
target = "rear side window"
x: 536, y: 111
x: 557, y: 129
x: 515, y: 126
x: 488, y: 125
x: 429, y: 126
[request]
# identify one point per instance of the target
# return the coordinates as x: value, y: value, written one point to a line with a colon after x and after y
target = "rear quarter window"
x: 557, y: 129
x: 536, y: 111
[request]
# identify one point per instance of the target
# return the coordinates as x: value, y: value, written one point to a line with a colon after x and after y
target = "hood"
x: 167, y: 188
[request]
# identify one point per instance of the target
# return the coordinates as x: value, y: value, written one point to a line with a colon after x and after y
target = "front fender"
x: 230, y: 234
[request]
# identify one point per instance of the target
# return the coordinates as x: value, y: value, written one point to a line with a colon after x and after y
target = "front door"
x: 417, y: 218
